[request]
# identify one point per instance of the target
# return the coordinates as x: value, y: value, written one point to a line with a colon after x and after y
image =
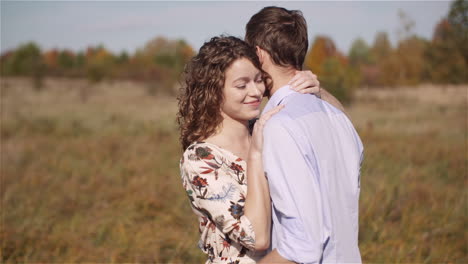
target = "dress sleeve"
x: 217, y: 196
x: 295, y: 193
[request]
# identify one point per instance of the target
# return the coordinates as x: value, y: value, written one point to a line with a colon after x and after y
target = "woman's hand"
x: 256, y: 144
x: 257, y: 201
x: 305, y: 82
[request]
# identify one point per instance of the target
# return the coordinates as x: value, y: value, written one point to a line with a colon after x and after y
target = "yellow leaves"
x: 322, y: 49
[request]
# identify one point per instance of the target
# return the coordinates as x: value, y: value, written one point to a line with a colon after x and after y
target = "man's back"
x: 312, y: 157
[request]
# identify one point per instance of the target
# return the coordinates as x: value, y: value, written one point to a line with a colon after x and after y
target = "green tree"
x: 458, y: 20
x: 360, y: 53
x: 122, y: 58
x: 362, y: 60
x: 448, y: 53
x: 446, y: 61
x: 80, y: 65
x: 340, y: 80
x: 27, y: 61
x: 332, y: 69
x: 99, y: 62
x: 66, y: 60
x: 80, y: 60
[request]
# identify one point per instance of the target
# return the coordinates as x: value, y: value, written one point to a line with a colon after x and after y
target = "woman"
x: 223, y: 89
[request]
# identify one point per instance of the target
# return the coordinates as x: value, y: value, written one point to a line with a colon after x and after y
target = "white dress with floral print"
x: 216, y: 184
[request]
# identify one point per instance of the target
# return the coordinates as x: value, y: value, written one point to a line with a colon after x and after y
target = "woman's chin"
x: 247, y: 116
x: 254, y: 114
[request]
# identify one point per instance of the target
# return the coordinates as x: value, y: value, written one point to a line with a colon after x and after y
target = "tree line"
x: 414, y: 60
x: 159, y: 63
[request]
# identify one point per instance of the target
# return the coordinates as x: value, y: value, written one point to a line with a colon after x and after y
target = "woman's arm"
x: 329, y: 98
x: 307, y: 82
x: 213, y: 194
x: 257, y: 204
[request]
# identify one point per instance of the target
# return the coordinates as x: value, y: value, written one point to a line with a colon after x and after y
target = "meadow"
x: 95, y: 178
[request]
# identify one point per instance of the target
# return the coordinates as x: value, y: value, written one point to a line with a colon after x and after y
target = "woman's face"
x: 243, y: 91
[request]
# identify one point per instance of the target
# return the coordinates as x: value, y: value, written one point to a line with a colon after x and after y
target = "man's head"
x: 281, y: 33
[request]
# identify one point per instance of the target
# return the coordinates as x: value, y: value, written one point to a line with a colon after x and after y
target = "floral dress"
x: 216, y: 185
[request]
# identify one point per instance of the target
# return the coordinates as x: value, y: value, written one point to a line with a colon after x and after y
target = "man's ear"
x: 260, y: 54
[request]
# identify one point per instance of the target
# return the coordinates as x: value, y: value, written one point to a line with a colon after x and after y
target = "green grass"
x: 98, y: 181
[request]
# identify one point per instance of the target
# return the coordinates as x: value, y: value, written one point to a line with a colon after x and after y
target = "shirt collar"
x: 278, y: 97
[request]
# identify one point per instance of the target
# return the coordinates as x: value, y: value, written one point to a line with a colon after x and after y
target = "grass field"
x: 96, y: 179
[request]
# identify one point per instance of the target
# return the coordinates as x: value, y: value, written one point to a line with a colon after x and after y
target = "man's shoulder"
x: 277, y: 121
x: 305, y: 99
x: 303, y: 103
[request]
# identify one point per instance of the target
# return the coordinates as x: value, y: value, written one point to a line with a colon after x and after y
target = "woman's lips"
x: 254, y: 103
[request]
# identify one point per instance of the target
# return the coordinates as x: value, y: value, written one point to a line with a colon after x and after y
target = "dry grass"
x: 413, y: 204
x: 97, y: 180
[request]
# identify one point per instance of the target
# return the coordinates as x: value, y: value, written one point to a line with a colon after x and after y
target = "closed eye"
x: 259, y: 78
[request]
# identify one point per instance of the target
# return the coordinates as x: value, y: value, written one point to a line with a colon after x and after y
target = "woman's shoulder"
x: 201, y: 151
x: 205, y: 152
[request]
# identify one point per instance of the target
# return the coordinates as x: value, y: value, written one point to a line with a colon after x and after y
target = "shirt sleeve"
x: 217, y: 197
x: 295, y: 193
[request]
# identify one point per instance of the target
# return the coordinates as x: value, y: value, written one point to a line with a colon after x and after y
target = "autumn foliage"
x: 158, y: 64
x: 412, y: 61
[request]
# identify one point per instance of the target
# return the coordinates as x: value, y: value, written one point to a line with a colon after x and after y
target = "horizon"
x: 128, y: 26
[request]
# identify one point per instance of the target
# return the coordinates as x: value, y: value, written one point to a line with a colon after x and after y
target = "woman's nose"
x: 255, y: 90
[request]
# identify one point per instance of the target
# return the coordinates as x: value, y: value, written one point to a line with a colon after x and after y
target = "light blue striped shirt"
x: 312, y: 156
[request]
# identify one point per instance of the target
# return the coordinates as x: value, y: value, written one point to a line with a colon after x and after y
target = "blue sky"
x: 128, y: 25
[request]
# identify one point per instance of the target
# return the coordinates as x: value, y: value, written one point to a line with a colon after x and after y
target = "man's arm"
x: 329, y: 98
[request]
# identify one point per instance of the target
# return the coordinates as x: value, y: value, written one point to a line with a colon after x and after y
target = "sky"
x: 128, y: 25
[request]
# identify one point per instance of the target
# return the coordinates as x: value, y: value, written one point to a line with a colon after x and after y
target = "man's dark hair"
x: 280, y: 32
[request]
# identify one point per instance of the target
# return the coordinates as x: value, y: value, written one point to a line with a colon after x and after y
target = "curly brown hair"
x: 201, y: 94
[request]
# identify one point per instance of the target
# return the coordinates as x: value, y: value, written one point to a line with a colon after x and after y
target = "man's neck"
x: 280, y: 76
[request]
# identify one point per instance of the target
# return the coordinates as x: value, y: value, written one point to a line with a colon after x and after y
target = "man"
x: 312, y: 153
